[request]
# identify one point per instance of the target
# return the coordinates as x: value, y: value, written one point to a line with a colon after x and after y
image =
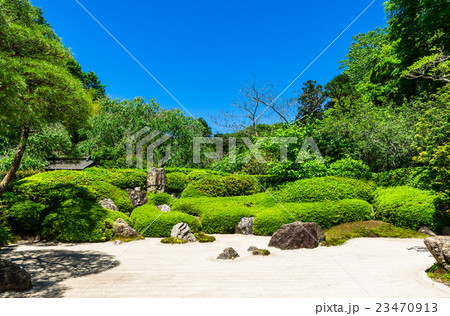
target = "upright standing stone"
x: 156, y: 180
x: 137, y: 196
x: 439, y: 247
x: 245, y: 226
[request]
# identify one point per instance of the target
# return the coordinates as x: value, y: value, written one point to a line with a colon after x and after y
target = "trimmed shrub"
x: 78, y: 220
x: 215, y: 186
x: 223, y: 222
x: 177, y: 182
x: 325, y: 188
x: 419, y: 177
x: 269, y: 221
x: 26, y: 217
x: 407, y: 207
x: 160, y: 198
x: 350, y: 168
x: 151, y: 222
x: 101, y: 190
x: 122, y: 178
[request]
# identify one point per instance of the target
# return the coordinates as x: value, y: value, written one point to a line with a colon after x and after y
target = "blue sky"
x: 203, y: 51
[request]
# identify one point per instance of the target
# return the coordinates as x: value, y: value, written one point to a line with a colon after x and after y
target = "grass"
x: 439, y: 274
x: 338, y: 235
x: 173, y: 240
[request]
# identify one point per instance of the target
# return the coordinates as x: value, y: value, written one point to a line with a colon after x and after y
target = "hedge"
x: 216, y: 186
x: 160, y: 198
x: 407, y: 207
x: 177, y: 182
x: 78, y: 220
x: 325, y: 188
x: 151, y: 222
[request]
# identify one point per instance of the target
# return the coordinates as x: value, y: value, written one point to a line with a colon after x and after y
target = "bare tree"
x: 252, y: 105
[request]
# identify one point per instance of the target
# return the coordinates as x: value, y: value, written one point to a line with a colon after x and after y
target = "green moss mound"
x: 325, y: 188
x: 78, y: 220
x: 439, y: 274
x: 151, y: 222
x: 407, y: 207
x: 260, y: 252
x: 202, y: 237
x: 177, y: 182
x: 173, y: 240
x: 338, y: 235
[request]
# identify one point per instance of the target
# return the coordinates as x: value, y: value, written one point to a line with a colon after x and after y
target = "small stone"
x: 182, y: 231
x: 425, y: 230
x: 228, y: 254
x: 245, y: 226
x: 109, y: 204
x: 122, y: 228
x: 251, y: 248
x: 117, y: 242
x: 137, y: 196
x: 164, y: 208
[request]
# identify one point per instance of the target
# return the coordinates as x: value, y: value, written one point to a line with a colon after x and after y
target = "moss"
x: 126, y: 239
x: 261, y: 252
x: 202, y: 237
x: 173, y: 240
x: 338, y: 235
x: 439, y: 274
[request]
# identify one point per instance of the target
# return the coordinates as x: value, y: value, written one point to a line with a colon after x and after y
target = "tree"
x: 311, y: 101
x: 35, y: 86
x: 340, y: 90
x: 89, y: 79
x: 435, y: 67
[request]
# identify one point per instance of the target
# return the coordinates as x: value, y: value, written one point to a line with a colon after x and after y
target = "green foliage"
x: 160, y: 198
x: 269, y: 221
x: 310, y: 102
x: 325, y: 188
x: 223, y: 222
x: 339, y: 234
x: 78, y: 220
x: 26, y: 217
x: 151, y: 222
x: 350, y: 168
x: 5, y: 234
x: 202, y: 237
x: 416, y: 177
x: 173, y: 240
x: 407, y: 207
x: 261, y: 252
x: 177, y: 182
x: 214, y: 186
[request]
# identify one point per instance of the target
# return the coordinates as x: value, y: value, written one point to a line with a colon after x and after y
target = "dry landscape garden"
x: 76, y: 217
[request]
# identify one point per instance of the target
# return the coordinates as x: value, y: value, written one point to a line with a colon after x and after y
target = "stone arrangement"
x: 156, y: 180
x: 164, y: 208
x: 228, y: 254
x: 109, y: 204
x: 182, y: 231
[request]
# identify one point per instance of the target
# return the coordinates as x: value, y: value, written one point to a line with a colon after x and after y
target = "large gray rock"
x: 297, y: 235
x: 439, y: 247
x: 182, y: 231
x: 425, y: 230
x: 109, y: 204
x: 13, y: 277
x: 228, y: 254
x: 245, y: 226
x: 122, y: 228
x: 156, y: 180
x: 137, y: 196
x: 163, y: 208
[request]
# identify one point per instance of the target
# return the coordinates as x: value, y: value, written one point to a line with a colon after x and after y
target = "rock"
x: 260, y: 252
x: 109, y: 204
x: 137, y: 197
x: 425, y: 230
x: 297, y: 235
x: 245, y: 226
x: 156, y: 180
x: 446, y: 231
x: 13, y: 277
x: 118, y: 242
x: 228, y: 254
x: 122, y: 228
x: 163, y: 208
x: 439, y: 247
x: 182, y: 231
x: 251, y: 248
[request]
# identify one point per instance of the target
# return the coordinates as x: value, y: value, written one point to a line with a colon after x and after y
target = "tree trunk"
x: 17, y: 159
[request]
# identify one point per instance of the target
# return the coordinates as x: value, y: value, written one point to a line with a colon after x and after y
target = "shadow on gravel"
x: 48, y: 268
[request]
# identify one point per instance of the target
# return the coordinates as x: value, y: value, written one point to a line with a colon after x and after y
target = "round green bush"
x: 151, y: 222
x: 268, y: 222
x: 191, y: 206
x: 99, y: 190
x: 25, y: 217
x: 325, y: 188
x: 160, y: 198
x: 177, y: 182
x: 223, y: 221
x: 407, y: 207
x: 350, y: 168
x: 78, y: 220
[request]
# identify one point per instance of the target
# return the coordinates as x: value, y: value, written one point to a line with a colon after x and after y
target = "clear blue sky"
x: 203, y: 51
